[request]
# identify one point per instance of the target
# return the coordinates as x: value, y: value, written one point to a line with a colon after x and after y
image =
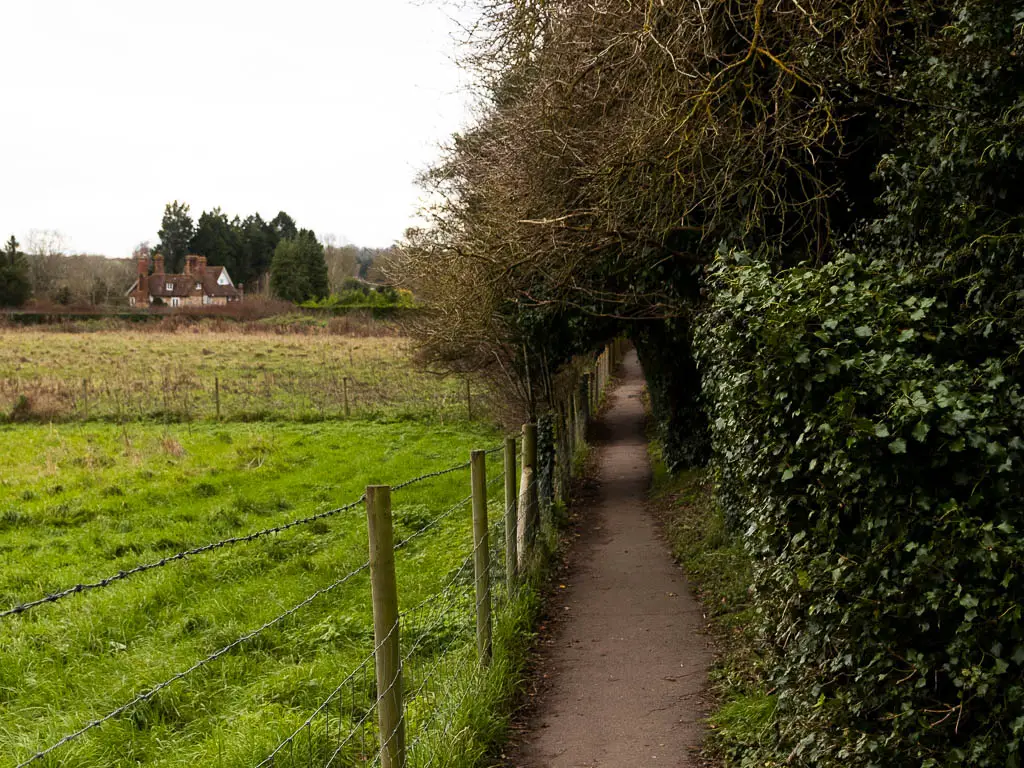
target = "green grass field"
x: 83, y: 501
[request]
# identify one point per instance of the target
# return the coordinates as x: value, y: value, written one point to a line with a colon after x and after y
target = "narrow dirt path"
x: 628, y: 662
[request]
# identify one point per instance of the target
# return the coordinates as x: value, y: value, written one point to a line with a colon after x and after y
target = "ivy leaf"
x: 881, y: 430
x: 899, y: 445
x: 863, y: 331
x: 921, y: 431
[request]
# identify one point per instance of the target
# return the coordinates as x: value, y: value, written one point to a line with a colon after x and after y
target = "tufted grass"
x: 82, y: 501
x: 173, y: 376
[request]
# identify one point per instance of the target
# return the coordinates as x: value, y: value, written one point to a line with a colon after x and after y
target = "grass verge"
x: 473, y: 718
x: 720, y: 569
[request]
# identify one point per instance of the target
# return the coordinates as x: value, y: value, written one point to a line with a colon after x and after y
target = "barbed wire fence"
x: 404, y: 702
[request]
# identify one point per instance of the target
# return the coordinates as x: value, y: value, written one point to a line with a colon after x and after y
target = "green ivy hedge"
x: 878, y: 478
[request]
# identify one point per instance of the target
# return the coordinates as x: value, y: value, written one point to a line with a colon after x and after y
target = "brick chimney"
x: 200, y: 267
x: 158, y: 264
x: 141, y: 290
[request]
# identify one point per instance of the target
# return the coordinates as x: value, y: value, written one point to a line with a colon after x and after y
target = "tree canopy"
x: 298, y: 271
x: 176, y: 233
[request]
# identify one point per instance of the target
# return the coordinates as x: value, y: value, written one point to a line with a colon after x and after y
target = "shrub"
x: 878, y: 478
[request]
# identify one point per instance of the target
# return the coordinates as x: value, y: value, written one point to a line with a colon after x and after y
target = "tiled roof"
x: 185, y: 285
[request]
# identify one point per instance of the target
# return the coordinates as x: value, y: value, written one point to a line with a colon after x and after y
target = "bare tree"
x: 46, y: 249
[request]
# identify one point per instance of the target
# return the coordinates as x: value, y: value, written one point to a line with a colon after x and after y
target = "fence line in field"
x: 381, y: 711
x: 187, y: 396
x: 142, y: 568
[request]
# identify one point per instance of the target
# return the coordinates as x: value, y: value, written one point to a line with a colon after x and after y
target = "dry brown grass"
x: 43, y: 404
x: 177, y: 372
x: 261, y: 317
x: 171, y: 447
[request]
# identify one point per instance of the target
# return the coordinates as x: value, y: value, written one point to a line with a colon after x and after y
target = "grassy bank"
x: 720, y: 569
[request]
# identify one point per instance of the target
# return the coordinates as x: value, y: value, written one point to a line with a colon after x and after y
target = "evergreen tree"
x: 284, y: 226
x: 176, y: 232
x: 298, y: 271
x: 15, y: 287
x: 260, y: 240
x: 314, y: 265
x: 287, y: 276
x: 222, y: 243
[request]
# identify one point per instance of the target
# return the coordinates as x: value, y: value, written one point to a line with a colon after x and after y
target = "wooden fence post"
x: 387, y: 653
x: 344, y: 394
x: 583, y: 401
x: 577, y: 419
x: 511, y: 516
x: 481, y: 556
x: 529, y: 506
x: 216, y: 394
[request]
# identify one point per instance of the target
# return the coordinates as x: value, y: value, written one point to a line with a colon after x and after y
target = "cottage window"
x: 207, y: 300
x: 169, y: 286
x: 198, y: 286
x: 175, y: 301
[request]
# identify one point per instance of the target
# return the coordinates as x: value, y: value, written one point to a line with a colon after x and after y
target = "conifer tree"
x: 15, y: 287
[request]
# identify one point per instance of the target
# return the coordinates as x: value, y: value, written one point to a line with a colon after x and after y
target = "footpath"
x: 628, y: 660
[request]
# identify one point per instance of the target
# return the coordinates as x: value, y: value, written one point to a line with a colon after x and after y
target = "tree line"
x: 300, y: 266
x: 307, y: 268
x: 43, y: 271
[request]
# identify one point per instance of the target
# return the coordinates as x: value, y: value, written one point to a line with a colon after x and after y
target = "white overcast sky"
x: 109, y: 109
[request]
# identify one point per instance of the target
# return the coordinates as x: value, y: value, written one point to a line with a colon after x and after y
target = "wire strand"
x: 124, y: 574
x: 121, y: 575
x: 146, y: 695
x: 428, y: 476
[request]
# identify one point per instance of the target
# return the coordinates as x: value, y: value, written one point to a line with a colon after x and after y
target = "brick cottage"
x: 198, y: 285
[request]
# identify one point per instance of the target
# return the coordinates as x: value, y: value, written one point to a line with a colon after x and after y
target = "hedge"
x: 878, y: 479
